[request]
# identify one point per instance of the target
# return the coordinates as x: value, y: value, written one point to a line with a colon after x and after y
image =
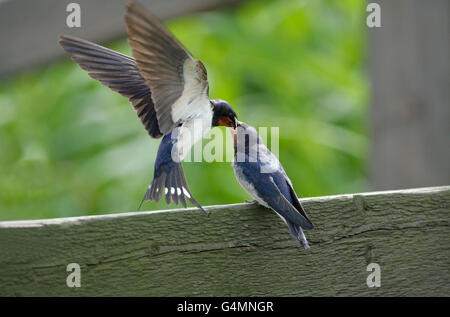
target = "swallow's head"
x: 224, y: 115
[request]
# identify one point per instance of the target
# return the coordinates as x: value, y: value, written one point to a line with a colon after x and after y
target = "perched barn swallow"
x: 167, y: 87
x: 260, y: 173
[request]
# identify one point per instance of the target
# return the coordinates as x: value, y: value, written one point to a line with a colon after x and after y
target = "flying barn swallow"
x: 260, y: 173
x: 167, y: 87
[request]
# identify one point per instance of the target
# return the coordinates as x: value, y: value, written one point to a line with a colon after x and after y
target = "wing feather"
x: 280, y: 204
x: 171, y: 72
x: 118, y: 72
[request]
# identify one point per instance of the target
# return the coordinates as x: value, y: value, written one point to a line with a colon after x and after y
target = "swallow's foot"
x: 251, y: 201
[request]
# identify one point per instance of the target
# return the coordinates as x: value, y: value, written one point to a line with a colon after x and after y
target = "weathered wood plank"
x: 410, y: 75
x: 29, y: 29
x: 239, y: 250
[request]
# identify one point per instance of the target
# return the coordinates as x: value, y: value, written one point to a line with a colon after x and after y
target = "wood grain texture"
x: 410, y: 75
x: 240, y: 250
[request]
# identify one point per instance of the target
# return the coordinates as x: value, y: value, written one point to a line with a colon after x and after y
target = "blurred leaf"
x: 69, y: 146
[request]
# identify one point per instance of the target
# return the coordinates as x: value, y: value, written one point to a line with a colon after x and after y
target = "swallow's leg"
x: 251, y: 201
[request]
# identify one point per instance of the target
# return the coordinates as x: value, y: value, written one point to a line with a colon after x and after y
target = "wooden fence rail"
x: 239, y: 250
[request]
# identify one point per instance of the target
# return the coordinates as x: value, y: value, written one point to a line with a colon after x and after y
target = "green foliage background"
x: 69, y: 146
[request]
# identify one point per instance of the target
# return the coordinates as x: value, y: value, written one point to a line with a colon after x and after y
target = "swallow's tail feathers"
x: 302, y: 238
x: 183, y: 191
x: 298, y: 233
x: 173, y: 184
x: 169, y: 179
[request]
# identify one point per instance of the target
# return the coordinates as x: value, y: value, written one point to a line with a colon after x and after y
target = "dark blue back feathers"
x: 276, y: 191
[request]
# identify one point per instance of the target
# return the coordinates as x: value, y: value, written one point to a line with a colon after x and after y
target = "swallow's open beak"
x: 233, y: 132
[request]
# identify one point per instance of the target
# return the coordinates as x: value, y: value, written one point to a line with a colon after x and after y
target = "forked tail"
x: 169, y: 179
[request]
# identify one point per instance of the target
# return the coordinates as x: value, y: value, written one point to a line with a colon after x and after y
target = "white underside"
x: 194, y: 109
x: 249, y: 188
x: 194, y: 100
x: 190, y: 133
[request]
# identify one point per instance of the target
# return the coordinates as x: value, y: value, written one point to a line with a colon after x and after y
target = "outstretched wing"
x: 178, y: 82
x: 169, y: 178
x: 118, y: 72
